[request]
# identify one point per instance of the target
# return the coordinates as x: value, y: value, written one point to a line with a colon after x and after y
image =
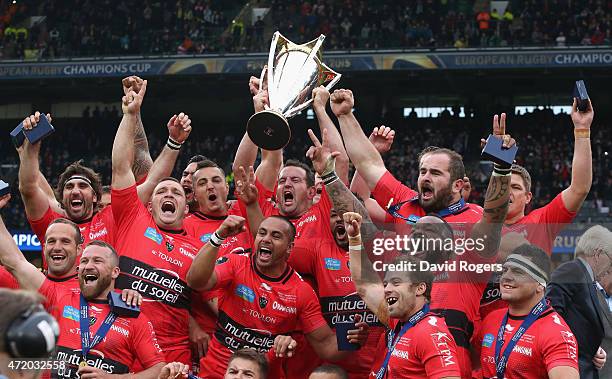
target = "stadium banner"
x: 361, y: 61
x: 26, y: 240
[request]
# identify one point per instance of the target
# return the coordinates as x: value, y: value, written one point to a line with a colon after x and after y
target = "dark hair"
x: 77, y: 168
x: 113, y: 252
x: 536, y: 255
x: 78, y: 238
x: 523, y: 173
x: 291, y: 226
x: 13, y: 304
x: 310, y: 177
x: 208, y: 163
x: 455, y: 164
x: 331, y: 369
x: 253, y: 356
x: 170, y: 179
x: 106, y: 189
x: 417, y: 276
x: 196, y: 158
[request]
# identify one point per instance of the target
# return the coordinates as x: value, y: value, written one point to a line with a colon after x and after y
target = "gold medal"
x: 83, y: 363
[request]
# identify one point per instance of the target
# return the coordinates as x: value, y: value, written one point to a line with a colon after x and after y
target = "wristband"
x: 216, y: 240
x: 355, y: 240
x: 354, y: 247
x: 582, y: 133
x: 172, y: 144
x: 329, y: 178
x: 501, y: 170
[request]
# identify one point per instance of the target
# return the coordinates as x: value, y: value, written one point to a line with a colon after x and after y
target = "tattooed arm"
x: 496, y: 199
x: 343, y: 200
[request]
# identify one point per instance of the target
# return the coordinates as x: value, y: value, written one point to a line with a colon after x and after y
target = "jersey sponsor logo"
x: 98, y: 234
x: 332, y: 264
x: 441, y: 340
x: 523, y: 350
x: 245, y: 293
x: 433, y: 321
x: 400, y: 354
x: 265, y: 286
x: 167, y: 258
x: 259, y: 316
x: 152, y: 234
x: 283, y: 308
x: 343, y: 309
x: 205, y: 237
x: 70, y: 313
x: 235, y: 336
x: 488, y: 339
x: 287, y: 297
x: 262, y: 302
x: 95, y: 358
x: 154, y: 284
x: 572, y: 348
x: 186, y: 253
x: 120, y: 330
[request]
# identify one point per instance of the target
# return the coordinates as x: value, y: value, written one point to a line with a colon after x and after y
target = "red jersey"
x: 255, y: 308
x: 548, y: 343
x: 390, y: 191
x: 155, y: 263
x: 100, y: 226
x: 329, y: 265
x: 7, y: 280
x: 541, y: 226
x: 427, y: 350
x: 129, y: 340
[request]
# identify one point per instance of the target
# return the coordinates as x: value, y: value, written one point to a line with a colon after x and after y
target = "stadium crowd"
x: 79, y: 28
x: 311, y: 276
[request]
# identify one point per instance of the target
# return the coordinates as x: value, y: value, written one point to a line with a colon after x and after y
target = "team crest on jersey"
x: 488, y: 339
x: 262, y: 302
x: 205, y: 237
x: 152, y: 234
x: 245, y: 293
x: 169, y: 246
x: 92, y: 321
x: 332, y: 264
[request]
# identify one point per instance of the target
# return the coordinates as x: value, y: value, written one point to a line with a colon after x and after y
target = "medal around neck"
x: 293, y: 72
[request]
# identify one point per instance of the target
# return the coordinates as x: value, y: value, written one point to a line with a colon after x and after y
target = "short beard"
x: 441, y: 200
x: 102, y: 284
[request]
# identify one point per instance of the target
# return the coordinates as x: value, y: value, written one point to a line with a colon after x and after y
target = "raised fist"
x: 132, y: 102
x: 352, y: 223
x: 320, y: 97
x: 342, y: 102
x: 231, y: 226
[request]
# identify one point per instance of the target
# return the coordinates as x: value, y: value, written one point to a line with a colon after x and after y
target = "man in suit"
x: 605, y: 299
x: 575, y: 295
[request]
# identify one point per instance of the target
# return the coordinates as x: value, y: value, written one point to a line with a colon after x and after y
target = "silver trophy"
x: 293, y: 72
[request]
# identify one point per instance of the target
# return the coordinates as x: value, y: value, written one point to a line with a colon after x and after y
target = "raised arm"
x: 341, y: 197
x: 28, y: 276
x: 123, y: 146
x: 201, y: 275
x: 496, y: 199
x: 179, y: 128
x: 367, y: 282
x: 582, y: 163
x: 271, y: 161
x: 35, y: 199
x: 362, y: 153
x: 320, y: 97
x: 142, y: 157
x: 247, y: 191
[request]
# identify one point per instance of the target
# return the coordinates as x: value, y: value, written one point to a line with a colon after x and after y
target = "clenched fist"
x: 342, y: 102
x: 231, y: 226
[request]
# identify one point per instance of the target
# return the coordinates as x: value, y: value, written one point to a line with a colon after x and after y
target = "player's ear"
x: 420, y: 289
x: 457, y: 186
x: 115, y: 272
x: 186, y: 208
x: 528, y: 197
x: 289, y: 248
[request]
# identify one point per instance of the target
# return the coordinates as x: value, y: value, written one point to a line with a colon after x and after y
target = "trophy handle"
x: 270, y: 73
x: 329, y: 71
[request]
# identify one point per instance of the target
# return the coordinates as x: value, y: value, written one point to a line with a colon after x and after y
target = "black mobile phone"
x: 581, y: 96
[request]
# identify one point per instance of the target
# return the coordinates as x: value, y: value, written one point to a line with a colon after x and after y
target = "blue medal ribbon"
x: 393, y: 210
x: 502, y: 361
x: 86, y: 343
x: 392, y: 340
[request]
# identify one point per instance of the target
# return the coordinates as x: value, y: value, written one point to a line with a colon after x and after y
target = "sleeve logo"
x: 488, y: 339
x: 332, y: 264
x: 245, y: 293
x: 152, y: 234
